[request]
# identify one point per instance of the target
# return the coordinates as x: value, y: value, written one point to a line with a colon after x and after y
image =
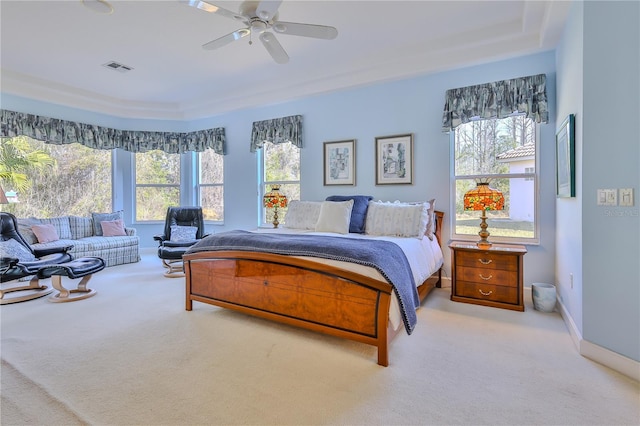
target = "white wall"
x: 598, y: 65
x: 569, y: 210
x: 611, y: 125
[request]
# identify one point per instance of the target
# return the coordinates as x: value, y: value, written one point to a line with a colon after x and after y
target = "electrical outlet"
x: 607, y: 197
x: 626, y: 197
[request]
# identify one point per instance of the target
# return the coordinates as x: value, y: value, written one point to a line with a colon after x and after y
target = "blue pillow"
x: 359, y: 211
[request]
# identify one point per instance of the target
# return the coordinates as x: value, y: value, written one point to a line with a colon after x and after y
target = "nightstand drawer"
x: 483, y: 259
x: 487, y: 276
x: 495, y: 293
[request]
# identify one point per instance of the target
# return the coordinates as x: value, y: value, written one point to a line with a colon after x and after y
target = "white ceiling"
x: 54, y: 50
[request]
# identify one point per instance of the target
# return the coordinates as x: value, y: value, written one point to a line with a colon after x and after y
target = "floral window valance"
x: 277, y: 130
x: 61, y: 132
x: 527, y: 95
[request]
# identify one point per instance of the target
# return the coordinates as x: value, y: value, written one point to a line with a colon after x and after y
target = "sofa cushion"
x: 81, y: 227
x: 99, y: 217
x: 12, y: 248
x: 61, y: 224
x: 24, y: 229
x: 113, y: 228
x: 101, y: 243
x: 45, y: 232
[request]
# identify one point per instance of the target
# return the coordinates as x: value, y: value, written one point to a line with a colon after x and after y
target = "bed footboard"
x: 293, y: 291
x: 297, y: 292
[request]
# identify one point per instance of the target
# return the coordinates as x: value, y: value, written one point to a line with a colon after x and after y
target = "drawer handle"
x: 485, y: 294
x: 485, y: 278
x: 485, y: 262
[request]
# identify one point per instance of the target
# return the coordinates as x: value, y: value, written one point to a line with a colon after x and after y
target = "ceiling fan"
x: 260, y: 17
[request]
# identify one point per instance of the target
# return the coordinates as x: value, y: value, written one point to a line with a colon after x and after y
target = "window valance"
x: 277, y: 130
x: 61, y: 132
x: 499, y: 99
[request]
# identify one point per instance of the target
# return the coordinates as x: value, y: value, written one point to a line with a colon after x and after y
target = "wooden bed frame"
x: 299, y: 292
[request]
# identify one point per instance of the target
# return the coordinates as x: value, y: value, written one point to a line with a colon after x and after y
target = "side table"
x: 490, y: 277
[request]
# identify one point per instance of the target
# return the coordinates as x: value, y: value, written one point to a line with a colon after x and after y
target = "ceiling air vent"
x: 117, y: 66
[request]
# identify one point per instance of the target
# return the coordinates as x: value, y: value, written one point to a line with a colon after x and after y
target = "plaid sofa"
x: 80, y: 232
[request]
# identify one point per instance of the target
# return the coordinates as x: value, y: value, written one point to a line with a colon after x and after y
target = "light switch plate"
x: 626, y: 197
x: 607, y: 197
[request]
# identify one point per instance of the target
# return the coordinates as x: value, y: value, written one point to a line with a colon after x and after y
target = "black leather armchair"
x: 171, y: 250
x: 12, y: 269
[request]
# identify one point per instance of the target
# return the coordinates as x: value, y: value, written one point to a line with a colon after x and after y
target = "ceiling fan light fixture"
x: 99, y: 6
x: 258, y: 26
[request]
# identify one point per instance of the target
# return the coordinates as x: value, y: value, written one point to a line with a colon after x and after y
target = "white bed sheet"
x: 424, y: 256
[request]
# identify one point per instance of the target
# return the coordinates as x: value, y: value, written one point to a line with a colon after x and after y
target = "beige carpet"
x: 132, y: 355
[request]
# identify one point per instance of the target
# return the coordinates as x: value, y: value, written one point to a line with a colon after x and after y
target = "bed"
x: 321, y: 293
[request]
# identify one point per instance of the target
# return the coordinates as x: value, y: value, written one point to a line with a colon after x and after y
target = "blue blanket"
x: 385, y: 256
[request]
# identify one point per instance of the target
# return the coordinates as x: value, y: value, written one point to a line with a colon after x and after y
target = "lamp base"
x: 275, y: 218
x: 483, y: 243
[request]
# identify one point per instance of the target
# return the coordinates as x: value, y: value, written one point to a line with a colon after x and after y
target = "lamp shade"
x: 483, y: 197
x: 3, y: 197
x: 274, y: 198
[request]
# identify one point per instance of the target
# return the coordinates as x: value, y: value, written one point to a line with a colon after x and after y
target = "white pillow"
x: 302, y: 214
x: 183, y: 233
x: 12, y: 248
x: 397, y: 219
x: 335, y: 216
x: 431, y: 224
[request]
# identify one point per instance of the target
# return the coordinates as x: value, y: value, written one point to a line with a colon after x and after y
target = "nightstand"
x: 490, y: 277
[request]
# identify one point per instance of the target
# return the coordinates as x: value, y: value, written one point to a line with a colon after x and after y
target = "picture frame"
x: 340, y: 162
x: 394, y: 160
x: 565, y: 159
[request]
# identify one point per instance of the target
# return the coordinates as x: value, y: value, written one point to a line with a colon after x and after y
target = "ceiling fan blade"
x: 267, y: 9
x: 274, y: 48
x: 305, y: 30
x: 212, y: 8
x: 224, y: 40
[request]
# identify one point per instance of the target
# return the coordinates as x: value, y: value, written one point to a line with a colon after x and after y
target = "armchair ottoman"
x: 83, y: 268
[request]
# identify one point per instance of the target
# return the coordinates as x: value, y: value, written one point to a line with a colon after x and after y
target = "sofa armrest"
x: 130, y: 231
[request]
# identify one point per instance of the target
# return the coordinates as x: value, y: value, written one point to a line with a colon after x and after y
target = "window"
x: 157, y: 177
x: 280, y: 165
x: 36, y: 177
x: 211, y: 185
x: 504, y: 151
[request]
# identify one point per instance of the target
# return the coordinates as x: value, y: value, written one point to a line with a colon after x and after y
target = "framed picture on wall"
x: 394, y: 159
x: 340, y: 162
x: 565, y: 159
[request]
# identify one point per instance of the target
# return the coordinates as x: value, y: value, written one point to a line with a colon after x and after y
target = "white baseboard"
x: 597, y: 353
x: 445, y: 282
